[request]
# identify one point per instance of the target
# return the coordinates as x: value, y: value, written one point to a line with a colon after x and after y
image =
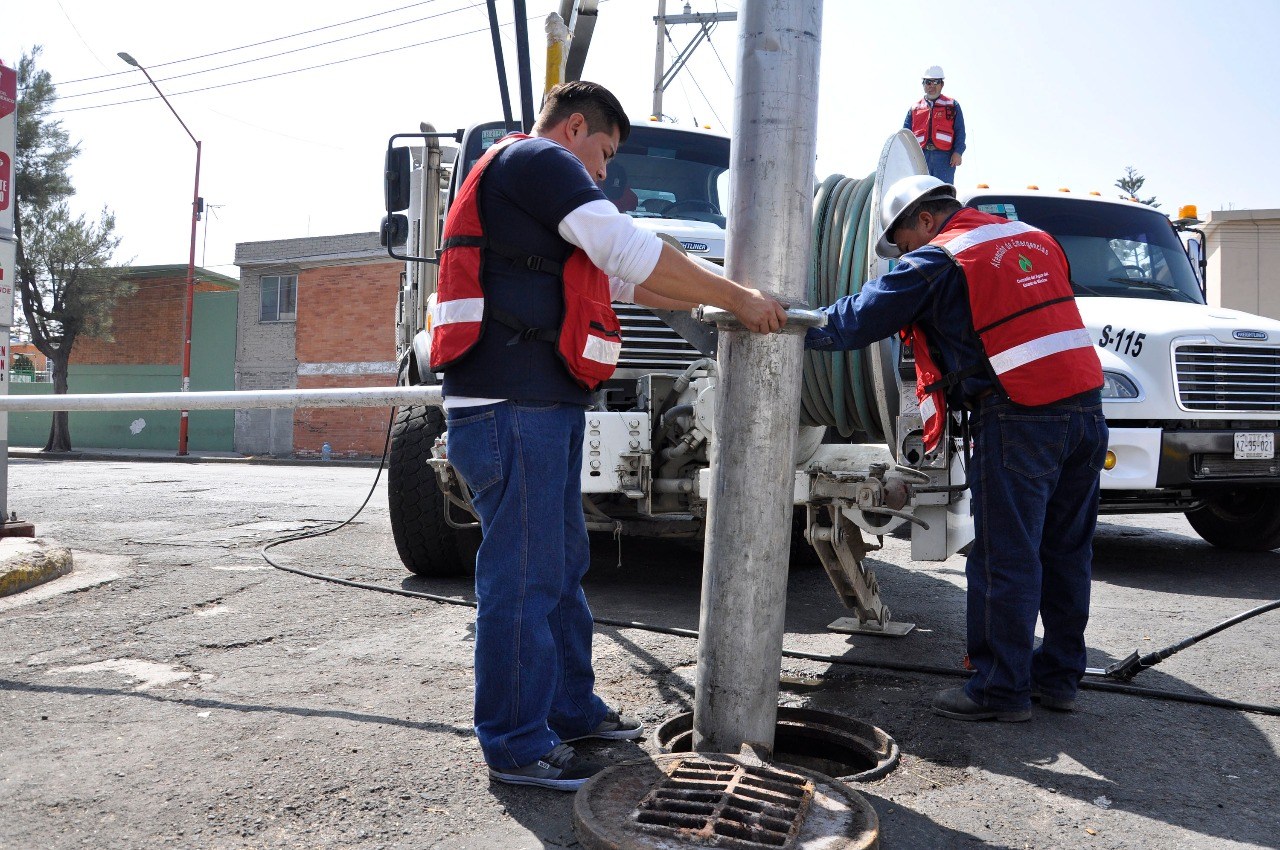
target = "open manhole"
x: 723, y: 801
x: 831, y: 744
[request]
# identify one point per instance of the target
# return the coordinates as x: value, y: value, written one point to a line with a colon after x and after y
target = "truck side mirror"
x: 394, y: 232
x: 1195, y: 252
x: 395, y: 181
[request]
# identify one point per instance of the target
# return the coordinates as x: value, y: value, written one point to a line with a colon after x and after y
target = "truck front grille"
x: 1228, y: 378
x: 649, y: 344
x: 1226, y: 466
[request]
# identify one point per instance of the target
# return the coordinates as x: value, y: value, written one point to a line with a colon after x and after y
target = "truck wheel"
x: 1245, y: 520
x: 428, y: 545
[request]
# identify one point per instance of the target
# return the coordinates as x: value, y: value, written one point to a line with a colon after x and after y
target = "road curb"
x: 164, y: 457
x: 27, y: 562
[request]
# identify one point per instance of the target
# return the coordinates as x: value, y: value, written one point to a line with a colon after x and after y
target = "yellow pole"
x: 557, y: 51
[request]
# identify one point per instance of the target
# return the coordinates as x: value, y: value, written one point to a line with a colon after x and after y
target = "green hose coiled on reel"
x: 837, y: 385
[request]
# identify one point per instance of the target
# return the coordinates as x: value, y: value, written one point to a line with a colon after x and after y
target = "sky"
x: 1054, y: 94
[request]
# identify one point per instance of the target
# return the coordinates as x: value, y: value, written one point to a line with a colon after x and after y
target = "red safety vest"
x: 1036, y: 345
x: 934, y: 122
x: 589, y: 338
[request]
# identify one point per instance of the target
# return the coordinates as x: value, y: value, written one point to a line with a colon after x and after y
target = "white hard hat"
x: 901, y: 197
x: 934, y: 72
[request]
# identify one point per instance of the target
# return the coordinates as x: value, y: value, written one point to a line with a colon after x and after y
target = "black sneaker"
x: 614, y: 728
x: 957, y: 705
x: 560, y: 769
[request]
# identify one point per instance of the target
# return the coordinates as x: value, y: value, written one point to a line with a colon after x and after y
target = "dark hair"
x: 596, y: 103
x: 935, y: 205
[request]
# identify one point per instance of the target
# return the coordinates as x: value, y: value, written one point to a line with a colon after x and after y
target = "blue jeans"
x: 534, y: 682
x: 1034, y: 479
x: 940, y: 166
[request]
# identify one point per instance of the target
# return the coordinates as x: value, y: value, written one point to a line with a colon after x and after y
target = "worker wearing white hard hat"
x: 986, y: 306
x: 938, y: 125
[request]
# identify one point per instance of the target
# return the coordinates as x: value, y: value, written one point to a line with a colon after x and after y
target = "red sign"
x: 6, y: 180
x: 8, y: 91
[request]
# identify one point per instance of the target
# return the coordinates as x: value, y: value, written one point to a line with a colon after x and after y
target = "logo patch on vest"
x: 1024, y: 263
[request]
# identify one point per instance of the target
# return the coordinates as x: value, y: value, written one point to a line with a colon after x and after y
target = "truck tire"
x: 428, y: 546
x: 1246, y: 520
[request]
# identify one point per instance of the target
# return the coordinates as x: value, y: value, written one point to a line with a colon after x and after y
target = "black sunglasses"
x: 931, y: 82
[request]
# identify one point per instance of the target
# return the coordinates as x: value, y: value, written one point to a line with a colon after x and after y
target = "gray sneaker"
x: 560, y: 769
x: 614, y: 728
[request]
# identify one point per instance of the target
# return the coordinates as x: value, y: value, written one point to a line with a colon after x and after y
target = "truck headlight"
x: 1117, y: 385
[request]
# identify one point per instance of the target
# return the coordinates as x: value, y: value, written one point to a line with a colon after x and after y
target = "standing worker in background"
x: 533, y: 253
x: 938, y: 125
x: 989, y: 310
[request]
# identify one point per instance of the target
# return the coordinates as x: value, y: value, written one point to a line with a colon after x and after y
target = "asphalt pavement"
x: 175, y: 690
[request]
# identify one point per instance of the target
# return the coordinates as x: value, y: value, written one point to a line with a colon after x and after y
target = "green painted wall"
x: 213, y: 359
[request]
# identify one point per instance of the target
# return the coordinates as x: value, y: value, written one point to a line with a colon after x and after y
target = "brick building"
x: 315, y: 312
x: 147, y: 326
x: 145, y: 355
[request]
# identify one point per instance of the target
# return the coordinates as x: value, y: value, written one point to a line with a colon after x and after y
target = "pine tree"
x: 1131, y: 184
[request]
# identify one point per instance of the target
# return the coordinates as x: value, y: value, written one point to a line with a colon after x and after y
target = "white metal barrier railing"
x: 226, y: 400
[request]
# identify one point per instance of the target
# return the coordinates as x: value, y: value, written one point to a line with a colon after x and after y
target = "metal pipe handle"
x: 799, y: 319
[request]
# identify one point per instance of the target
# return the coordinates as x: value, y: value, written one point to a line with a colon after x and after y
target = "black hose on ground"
x: 1125, y: 670
x: 894, y: 666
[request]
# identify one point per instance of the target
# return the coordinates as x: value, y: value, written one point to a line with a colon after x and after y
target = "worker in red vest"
x: 938, y: 125
x: 996, y: 331
x: 523, y: 330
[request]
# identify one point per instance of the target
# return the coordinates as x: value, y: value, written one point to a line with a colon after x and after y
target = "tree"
x: 1131, y: 184
x: 63, y: 271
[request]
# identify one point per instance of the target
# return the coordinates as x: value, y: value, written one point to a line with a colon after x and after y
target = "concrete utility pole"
x: 749, y: 513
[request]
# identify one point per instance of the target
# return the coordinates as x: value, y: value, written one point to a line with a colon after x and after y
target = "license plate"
x: 1255, y: 445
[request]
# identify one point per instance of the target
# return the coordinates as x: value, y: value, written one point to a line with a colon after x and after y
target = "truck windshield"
x: 1114, y: 250
x: 662, y: 172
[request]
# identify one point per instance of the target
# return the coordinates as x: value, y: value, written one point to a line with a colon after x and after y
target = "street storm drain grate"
x: 726, y: 804
x: 720, y: 800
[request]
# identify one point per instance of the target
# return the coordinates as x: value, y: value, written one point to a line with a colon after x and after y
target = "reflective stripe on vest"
x: 1037, y: 349
x: 602, y: 350
x: 454, y: 312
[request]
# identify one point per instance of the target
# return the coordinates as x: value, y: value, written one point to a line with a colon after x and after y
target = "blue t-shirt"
x: 524, y: 194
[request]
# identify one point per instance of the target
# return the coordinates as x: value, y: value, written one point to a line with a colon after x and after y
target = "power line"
x: 270, y: 55
x: 255, y: 44
x: 280, y: 74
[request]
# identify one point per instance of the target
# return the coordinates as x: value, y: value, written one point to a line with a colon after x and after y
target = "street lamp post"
x: 189, y: 312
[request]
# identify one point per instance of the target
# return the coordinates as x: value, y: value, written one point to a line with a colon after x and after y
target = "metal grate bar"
x: 726, y: 804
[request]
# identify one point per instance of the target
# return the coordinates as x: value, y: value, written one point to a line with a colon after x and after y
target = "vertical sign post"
x: 8, y: 257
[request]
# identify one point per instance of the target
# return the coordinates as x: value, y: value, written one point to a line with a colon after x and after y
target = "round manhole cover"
x: 718, y: 800
x: 832, y: 744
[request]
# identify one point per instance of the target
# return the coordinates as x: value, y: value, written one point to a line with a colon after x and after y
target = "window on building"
x: 279, y: 298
